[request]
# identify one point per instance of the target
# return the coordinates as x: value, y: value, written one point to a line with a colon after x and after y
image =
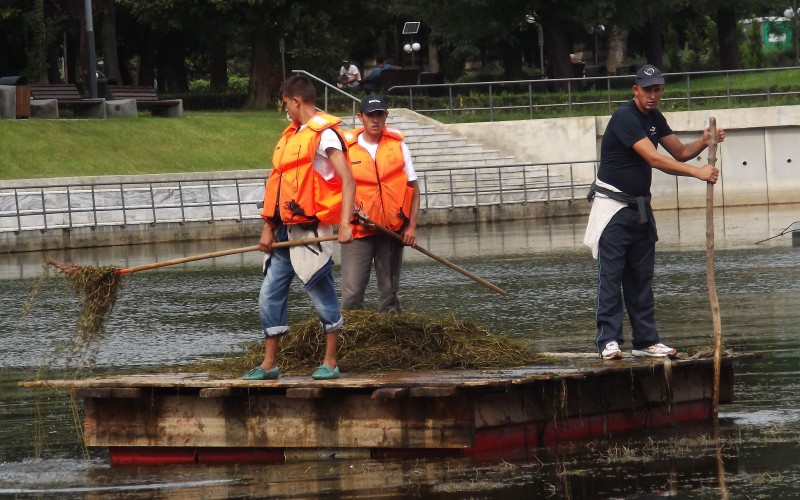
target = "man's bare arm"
x: 342, y: 169
x: 648, y: 152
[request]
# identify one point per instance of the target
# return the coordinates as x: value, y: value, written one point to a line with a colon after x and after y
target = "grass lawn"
x: 243, y: 140
x: 198, y: 142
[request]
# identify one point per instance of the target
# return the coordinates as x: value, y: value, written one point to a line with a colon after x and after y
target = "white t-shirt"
x: 350, y: 72
x: 372, y: 149
x: 322, y: 163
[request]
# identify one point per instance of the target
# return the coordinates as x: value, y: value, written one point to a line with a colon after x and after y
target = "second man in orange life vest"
x: 387, y: 191
x: 309, y: 189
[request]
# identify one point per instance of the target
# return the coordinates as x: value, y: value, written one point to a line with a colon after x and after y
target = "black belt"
x: 641, y: 203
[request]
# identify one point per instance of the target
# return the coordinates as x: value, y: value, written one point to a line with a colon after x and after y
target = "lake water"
x: 182, y: 314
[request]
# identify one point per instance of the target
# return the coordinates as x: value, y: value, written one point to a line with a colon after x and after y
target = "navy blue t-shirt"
x: 620, y: 165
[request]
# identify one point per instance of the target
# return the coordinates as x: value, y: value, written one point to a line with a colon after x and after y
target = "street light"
x: 411, y: 28
x: 595, y: 30
x: 410, y: 48
x: 92, y: 73
x: 531, y: 19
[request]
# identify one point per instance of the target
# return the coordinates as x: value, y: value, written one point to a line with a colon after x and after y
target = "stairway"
x: 435, y: 151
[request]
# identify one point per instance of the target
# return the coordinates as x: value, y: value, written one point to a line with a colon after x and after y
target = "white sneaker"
x: 655, y: 351
x: 611, y: 351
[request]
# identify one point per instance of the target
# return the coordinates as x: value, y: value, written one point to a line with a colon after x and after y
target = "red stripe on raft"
x: 489, y: 442
x: 142, y: 455
x: 565, y: 429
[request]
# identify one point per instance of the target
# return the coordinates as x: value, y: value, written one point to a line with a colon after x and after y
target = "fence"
x: 66, y: 206
x: 597, y: 94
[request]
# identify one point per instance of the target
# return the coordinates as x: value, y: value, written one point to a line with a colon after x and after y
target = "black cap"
x: 372, y: 103
x: 649, y: 75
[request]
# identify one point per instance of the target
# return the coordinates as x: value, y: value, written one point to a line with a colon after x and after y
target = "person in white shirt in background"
x: 349, y: 76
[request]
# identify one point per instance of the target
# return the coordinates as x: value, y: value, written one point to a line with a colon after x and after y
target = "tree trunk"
x: 147, y: 62
x: 83, y: 68
x: 219, y: 66
x: 654, y: 43
x: 109, y: 42
x: 512, y: 62
x: 617, y: 48
x: 258, y: 95
x: 556, y: 46
x: 36, y: 50
x: 433, y: 58
x: 727, y: 35
x: 53, y: 69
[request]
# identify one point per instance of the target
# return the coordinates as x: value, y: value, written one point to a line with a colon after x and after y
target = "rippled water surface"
x: 178, y: 315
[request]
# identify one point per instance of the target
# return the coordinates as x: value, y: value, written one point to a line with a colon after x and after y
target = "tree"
x: 108, y: 33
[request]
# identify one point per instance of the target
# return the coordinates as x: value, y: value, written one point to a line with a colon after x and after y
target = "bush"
x: 197, y: 86
x: 238, y: 84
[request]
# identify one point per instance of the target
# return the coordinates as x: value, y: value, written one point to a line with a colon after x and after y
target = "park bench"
x: 48, y: 98
x: 147, y: 99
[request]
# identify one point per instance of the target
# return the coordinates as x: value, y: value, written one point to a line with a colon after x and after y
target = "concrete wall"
x: 138, y: 234
x: 758, y: 161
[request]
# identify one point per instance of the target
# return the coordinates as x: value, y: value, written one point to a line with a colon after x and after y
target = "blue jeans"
x: 274, y: 296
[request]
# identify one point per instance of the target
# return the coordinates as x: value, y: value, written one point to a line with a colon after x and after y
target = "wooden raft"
x: 194, y: 418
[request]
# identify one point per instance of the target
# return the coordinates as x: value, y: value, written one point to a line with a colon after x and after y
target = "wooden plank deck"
x: 195, y: 418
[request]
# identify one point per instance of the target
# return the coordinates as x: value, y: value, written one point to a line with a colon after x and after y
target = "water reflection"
x: 205, y: 309
x: 737, y: 227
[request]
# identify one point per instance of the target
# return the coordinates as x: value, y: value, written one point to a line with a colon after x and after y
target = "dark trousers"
x: 626, y: 260
x: 358, y: 257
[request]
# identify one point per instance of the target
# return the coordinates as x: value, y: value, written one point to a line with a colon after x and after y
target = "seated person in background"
x: 371, y: 82
x: 349, y: 76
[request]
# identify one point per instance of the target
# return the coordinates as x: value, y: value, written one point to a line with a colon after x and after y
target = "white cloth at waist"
x: 603, y: 209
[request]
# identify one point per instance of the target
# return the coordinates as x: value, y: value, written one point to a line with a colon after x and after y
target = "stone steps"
x: 433, y: 148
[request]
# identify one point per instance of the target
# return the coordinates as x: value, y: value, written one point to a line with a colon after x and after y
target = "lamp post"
x: 531, y: 19
x: 595, y: 30
x: 87, y: 7
x: 410, y: 48
x: 282, y: 47
x: 411, y: 28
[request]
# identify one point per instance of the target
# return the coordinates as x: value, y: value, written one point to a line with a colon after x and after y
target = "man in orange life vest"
x: 387, y: 191
x: 308, y: 191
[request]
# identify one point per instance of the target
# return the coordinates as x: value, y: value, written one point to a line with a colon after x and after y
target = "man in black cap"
x: 621, y: 230
x: 349, y: 76
x: 387, y: 192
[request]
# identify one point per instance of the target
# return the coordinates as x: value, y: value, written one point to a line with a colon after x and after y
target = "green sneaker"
x: 259, y: 373
x: 325, y: 373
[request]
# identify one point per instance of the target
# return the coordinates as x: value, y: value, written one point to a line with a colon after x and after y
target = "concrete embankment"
x: 140, y: 234
x: 758, y: 161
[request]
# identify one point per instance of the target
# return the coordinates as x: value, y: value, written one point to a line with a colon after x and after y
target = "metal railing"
x: 122, y: 203
x: 598, y: 94
x: 327, y: 89
x: 67, y: 206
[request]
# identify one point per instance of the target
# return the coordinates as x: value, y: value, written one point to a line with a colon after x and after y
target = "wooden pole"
x: 221, y: 253
x: 712, y: 284
x: 435, y: 257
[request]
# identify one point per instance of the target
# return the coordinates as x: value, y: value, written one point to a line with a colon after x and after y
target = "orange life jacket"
x: 382, y: 188
x: 295, y: 192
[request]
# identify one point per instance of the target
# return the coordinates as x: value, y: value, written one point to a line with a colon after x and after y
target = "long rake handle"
x: 435, y: 257
x: 222, y: 253
x: 712, y: 283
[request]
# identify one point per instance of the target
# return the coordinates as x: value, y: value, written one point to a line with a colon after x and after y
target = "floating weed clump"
x: 372, y: 342
x: 99, y: 287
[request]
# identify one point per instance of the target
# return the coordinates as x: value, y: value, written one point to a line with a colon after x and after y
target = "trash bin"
x: 23, y: 94
x: 428, y: 78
